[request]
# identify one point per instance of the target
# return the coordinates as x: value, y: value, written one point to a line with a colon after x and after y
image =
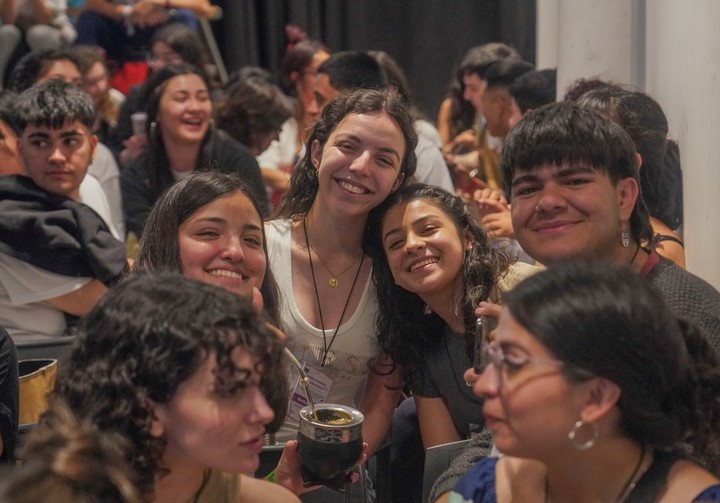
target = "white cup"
x: 139, y: 121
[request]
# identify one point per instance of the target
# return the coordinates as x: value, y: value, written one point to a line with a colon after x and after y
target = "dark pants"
x: 407, y: 455
x: 112, y: 35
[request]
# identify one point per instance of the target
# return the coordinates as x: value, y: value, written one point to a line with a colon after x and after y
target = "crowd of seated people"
x: 189, y: 233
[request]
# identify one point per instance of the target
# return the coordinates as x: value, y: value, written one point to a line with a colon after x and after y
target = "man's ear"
x: 639, y: 160
x: 627, y: 191
x: 601, y: 396
x: 93, y: 147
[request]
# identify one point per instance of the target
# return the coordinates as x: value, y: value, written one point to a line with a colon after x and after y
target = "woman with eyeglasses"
x: 595, y: 392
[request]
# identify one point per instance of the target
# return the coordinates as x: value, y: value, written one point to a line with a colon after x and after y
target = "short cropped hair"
x: 566, y: 132
x: 503, y: 72
x: 478, y: 59
x: 51, y: 104
x: 348, y: 70
x: 534, y: 89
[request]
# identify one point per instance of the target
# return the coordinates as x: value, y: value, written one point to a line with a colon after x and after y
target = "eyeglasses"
x: 506, y: 366
x: 170, y: 58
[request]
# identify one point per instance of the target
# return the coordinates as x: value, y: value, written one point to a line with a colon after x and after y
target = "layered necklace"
x: 333, y: 283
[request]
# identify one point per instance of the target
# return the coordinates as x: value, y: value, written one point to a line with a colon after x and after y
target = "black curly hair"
x: 402, y: 325
x: 144, y: 338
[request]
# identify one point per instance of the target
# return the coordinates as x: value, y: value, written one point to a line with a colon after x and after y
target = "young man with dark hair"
x: 101, y: 190
x: 531, y: 90
x: 57, y: 256
x: 573, y: 178
x: 348, y: 70
x: 483, y: 145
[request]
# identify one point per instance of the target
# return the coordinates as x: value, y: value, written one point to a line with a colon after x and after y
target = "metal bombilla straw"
x: 304, y: 381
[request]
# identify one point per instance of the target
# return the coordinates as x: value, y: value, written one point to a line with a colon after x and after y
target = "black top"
x: 56, y: 233
x: 225, y: 155
x: 9, y: 393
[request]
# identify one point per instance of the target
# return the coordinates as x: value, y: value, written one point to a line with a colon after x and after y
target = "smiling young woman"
x: 181, y: 139
x: 433, y: 264
x: 360, y: 151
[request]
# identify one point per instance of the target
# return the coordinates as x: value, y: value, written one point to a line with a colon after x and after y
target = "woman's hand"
x: 490, y: 201
x: 491, y: 310
x: 287, y: 471
x: 499, y: 225
x: 134, y: 147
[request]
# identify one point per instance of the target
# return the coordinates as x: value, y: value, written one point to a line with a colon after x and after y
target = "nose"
x: 56, y: 154
x: 194, y: 104
x: 486, y: 383
x: 233, y: 250
x: 261, y: 409
x: 361, y: 163
x: 466, y: 94
x: 550, y: 199
x: 413, y: 243
x: 312, y: 109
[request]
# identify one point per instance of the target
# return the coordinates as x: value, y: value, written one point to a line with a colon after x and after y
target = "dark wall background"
x: 426, y: 37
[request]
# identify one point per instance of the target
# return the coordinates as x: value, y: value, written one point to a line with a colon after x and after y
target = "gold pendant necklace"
x: 333, y: 282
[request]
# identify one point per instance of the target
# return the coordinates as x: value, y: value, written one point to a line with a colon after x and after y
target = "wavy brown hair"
x: 142, y: 340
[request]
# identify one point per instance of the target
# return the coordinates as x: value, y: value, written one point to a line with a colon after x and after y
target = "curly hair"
x: 402, y: 325
x: 51, y: 104
x: 603, y: 321
x: 159, y: 250
x: 143, y: 339
x: 304, y: 183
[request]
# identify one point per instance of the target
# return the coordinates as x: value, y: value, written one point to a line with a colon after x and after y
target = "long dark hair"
x: 159, y: 250
x: 304, y: 183
x: 402, y: 325
x: 157, y: 159
x: 610, y: 323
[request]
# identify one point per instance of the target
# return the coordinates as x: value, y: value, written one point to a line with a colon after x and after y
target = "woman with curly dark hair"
x: 433, y: 264
x: 594, y: 391
x: 175, y: 365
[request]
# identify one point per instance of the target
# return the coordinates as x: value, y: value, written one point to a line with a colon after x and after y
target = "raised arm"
x: 436, y: 424
x: 382, y: 392
x: 9, y: 10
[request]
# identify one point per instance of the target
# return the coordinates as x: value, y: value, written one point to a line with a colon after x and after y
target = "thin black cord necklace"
x: 326, y: 346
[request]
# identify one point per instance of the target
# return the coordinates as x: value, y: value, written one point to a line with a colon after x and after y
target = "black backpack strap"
x: 652, y: 482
